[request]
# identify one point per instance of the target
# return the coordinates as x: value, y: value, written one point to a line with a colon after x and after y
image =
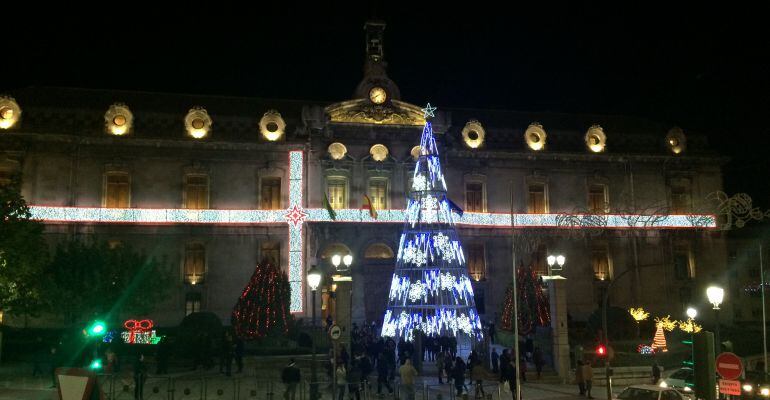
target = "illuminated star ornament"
x: 296, y: 215
x: 428, y: 111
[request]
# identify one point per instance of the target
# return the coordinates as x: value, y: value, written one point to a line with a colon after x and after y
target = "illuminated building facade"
x: 213, y: 185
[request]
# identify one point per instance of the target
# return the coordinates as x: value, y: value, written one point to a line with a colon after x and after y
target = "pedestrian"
x: 344, y: 357
x: 458, y: 374
x: 477, y: 376
x: 341, y: 375
x: 495, y: 361
x: 492, y: 332
x: 239, y: 350
x: 537, y: 359
x: 383, y: 369
x: 655, y: 373
x: 511, y: 376
x: 440, y: 367
x: 366, y: 369
x: 588, y: 376
x: 505, y: 361
x: 162, y: 356
x: 408, y: 373
x: 523, y: 368
x: 290, y: 376
x: 354, y: 381
x: 140, y: 375
x: 579, y: 378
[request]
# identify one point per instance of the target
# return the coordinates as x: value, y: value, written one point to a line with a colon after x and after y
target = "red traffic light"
x: 601, y: 351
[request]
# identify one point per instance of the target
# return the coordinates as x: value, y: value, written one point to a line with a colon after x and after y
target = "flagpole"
x: 515, y: 304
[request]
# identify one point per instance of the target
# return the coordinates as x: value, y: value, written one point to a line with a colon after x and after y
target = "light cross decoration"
x: 296, y: 216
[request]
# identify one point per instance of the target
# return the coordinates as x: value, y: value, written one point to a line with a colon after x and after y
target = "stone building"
x: 206, y: 183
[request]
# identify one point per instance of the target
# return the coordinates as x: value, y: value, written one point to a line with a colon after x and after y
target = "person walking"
x: 579, y: 378
x: 290, y: 376
x: 440, y: 367
x: 538, y: 360
x: 354, y: 380
x: 495, y: 358
x: 477, y: 377
x: 510, y: 370
x: 408, y: 373
x: 655, y: 373
x: 458, y: 374
x: 492, y: 332
x: 140, y: 375
x: 383, y: 369
x: 341, y: 375
x: 588, y: 376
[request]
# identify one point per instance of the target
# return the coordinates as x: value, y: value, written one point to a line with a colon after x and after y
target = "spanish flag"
x: 368, y: 205
x: 329, y: 209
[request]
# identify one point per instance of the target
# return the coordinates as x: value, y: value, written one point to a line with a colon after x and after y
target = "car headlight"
x: 687, y: 389
x: 748, y: 388
x: 764, y: 391
x: 663, y: 384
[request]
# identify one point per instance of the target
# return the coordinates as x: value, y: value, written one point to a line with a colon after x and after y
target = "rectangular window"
x: 540, y: 261
x: 196, y: 192
x: 476, y: 262
x: 683, y: 268
x: 680, y: 200
x: 337, y: 192
x: 378, y: 192
x: 194, y: 263
x: 474, y: 197
x: 117, y: 189
x: 192, y: 303
x: 271, y: 253
x: 536, y: 201
x: 597, y: 198
x: 271, y: 193
x: 600, y: 259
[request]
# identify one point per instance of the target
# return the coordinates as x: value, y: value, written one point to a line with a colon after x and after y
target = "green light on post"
x: 96, y: 364
x: 98, y: 328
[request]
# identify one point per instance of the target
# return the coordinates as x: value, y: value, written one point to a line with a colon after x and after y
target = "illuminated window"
x: 271, y: 193
x: 683, y: 263
x: 680, y: 199
x: 192, y: 303
x: 536, y: 198
x: 337, y: 192
x: 600, y: 259
x: 117, y: 190
x: 196, y: 192
x: 597, y: 198
x: 474, y: 197
x: 378, y: 192
x: 271, y: 253
x: 476, y: 261
x: 378, y: 251
x: 194, y: 263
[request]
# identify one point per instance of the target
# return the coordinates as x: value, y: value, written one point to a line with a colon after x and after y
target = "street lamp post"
x: 555, y: 260
x: 715, y: 295
x: 691, y: 314
x: 313, y: 280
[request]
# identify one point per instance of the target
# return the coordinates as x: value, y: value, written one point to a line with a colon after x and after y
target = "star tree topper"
x: 428, y: 111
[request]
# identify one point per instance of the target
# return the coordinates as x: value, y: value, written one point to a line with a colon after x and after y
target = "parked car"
x: 678, y: 378
x: 651, y: 392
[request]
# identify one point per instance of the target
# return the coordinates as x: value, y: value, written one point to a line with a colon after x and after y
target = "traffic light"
x: 97, y: 328
x: 95, y: 364
x: 601, y: 350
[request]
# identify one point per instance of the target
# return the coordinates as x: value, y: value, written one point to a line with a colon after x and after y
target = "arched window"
x: 378, y: 251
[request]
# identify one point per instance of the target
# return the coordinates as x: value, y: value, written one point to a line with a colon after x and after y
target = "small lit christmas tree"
x: 430, y: 290
x: 533, y: 302
x: 659, y: 341
x: 263, y: 307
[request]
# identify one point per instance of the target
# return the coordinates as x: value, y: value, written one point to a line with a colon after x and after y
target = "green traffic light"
x: 98, y: 328
x: 96, y: 364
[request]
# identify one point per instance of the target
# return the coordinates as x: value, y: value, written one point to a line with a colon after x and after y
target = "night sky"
x: 703, y: 69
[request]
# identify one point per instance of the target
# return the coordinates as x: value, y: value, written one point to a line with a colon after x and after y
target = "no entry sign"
x: 729, y: 366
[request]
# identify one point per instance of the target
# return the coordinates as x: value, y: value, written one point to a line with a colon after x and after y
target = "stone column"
x: 557, y: 295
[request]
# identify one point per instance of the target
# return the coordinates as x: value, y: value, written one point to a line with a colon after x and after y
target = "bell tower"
x: 376, y: 85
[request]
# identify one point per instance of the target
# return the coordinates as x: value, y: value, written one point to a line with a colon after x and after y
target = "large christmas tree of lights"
x: 430, y: 290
